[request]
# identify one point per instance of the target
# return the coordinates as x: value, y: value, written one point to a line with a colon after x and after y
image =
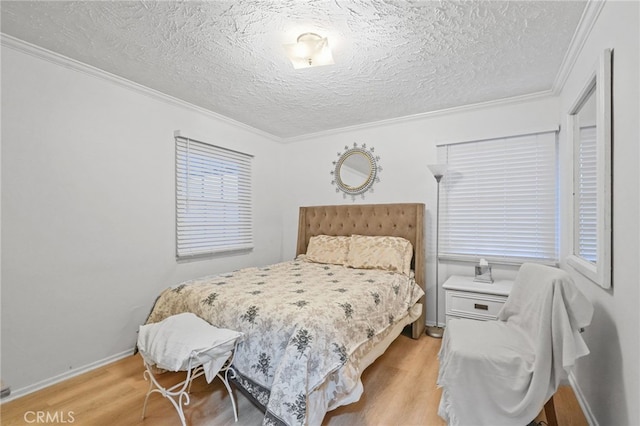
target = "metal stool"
x: 156, y: 343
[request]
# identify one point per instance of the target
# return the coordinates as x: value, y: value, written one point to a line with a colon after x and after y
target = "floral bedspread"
x: 303, y: 321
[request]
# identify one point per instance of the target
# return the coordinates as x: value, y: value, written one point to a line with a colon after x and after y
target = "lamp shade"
x: 310, y: 50
x: 438, y: 170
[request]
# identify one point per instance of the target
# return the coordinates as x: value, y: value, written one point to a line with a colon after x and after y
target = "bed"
x: 313, y: 324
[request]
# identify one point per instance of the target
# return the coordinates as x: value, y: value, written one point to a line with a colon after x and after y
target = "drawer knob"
x: 481, y: 306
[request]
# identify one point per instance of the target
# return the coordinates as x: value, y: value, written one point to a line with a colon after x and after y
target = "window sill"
x: 495, y: 260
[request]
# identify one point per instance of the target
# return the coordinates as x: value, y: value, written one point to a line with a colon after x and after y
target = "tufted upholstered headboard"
x: 399, y: 220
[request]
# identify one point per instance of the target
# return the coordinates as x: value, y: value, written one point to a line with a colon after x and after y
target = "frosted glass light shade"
x: 438, y: 170
x: 310, y: 50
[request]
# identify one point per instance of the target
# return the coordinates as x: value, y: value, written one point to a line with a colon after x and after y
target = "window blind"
x: 213, y: 199
x: 587, y: 195
x: 499, y: 199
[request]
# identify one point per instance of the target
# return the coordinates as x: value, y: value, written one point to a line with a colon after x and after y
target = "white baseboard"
x: 582, y: 401
x: 15, y: 394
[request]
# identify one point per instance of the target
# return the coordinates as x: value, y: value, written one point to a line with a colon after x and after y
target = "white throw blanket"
x: 185, y: 341
x: 502, y: 372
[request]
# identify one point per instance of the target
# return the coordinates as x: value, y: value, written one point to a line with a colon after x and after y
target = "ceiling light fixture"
x: 310, y: 50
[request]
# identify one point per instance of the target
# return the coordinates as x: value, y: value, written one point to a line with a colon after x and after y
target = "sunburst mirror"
x: 356, y: 170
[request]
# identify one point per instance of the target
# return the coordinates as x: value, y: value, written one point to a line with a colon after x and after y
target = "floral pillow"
x: 328, y: 249
x: 380, y: 252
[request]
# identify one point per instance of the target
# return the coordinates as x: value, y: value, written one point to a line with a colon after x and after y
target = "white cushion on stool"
x: 173, y: 342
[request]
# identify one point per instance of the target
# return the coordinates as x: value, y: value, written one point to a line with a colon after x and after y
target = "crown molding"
x: 64, y: 61
x: 409, y: 118
x: 585, y: 26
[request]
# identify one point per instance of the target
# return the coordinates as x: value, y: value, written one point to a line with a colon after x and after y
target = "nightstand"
x: 466, y: 298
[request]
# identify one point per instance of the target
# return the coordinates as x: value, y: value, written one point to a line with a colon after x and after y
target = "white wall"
x: 405, y: 148
x: 88, y: 213
x: 608, y: 378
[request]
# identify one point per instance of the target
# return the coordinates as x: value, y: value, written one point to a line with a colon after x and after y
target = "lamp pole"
x: 438, y: 172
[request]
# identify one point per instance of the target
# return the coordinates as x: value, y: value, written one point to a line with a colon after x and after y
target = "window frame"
x: 598, y: 84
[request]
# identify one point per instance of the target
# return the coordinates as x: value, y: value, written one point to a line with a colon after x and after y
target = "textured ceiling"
x: 392, y: 58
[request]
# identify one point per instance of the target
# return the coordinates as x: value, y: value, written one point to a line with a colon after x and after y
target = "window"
x: 499, y: 200
x: 590, y: 133
x: 586, y: 195
x: 213, y: 199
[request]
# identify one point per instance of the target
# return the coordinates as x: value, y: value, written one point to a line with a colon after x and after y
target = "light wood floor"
x: 399, y: 387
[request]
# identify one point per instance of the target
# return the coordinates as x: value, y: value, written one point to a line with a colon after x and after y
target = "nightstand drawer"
x: 473, y: 305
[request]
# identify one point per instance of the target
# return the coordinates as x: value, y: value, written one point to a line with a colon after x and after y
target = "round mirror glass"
x: 355, y: 170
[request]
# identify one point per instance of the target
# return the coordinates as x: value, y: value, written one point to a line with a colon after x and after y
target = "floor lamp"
x: 438, y: 171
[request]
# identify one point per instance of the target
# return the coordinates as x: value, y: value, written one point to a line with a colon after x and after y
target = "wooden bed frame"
x: 398, y: 220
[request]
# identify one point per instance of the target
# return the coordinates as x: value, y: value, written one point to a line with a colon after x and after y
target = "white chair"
x: 185, y: 342
x: 502, y: 372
